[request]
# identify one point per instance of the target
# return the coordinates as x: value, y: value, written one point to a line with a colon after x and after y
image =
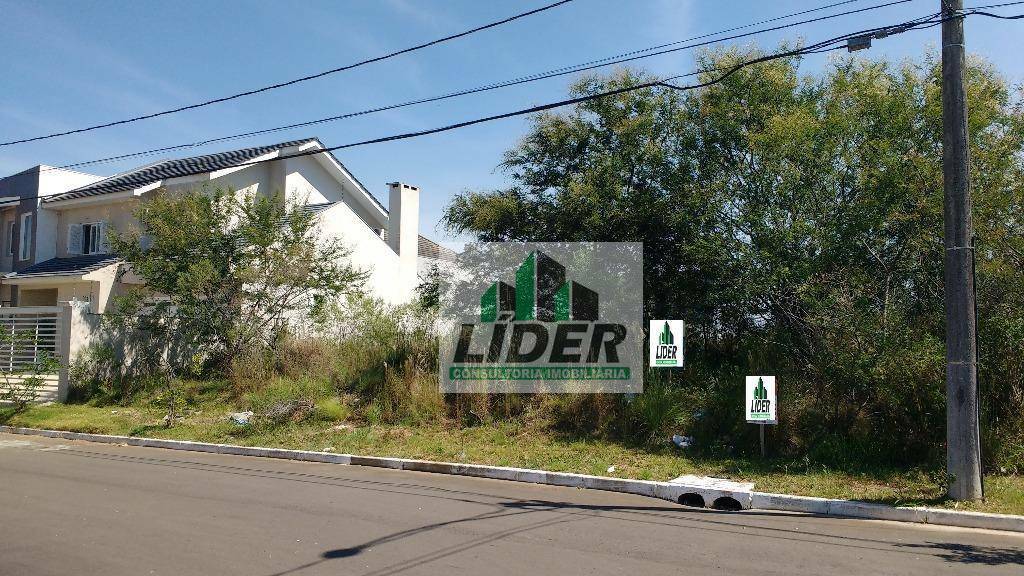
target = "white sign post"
x: 667, y: 338
x: 761, y: 403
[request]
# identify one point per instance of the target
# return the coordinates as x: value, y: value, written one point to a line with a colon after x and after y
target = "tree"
x: 428, y: 291
x: 224, y: 272
x: 795, y: 222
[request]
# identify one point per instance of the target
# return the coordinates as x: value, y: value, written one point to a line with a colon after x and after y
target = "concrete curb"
x: 854, y: 509
x: 670, y: 491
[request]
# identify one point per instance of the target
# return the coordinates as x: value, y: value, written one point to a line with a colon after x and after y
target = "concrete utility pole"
x: 963, y: 444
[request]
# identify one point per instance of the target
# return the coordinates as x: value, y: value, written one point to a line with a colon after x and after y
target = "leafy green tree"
x: 225, y: 272
x: 428, y: 291
x: 795, y: 222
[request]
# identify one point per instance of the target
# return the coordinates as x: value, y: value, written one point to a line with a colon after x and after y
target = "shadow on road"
x: 339, y: 553
x: 967, y: 554
x: 558, y: 512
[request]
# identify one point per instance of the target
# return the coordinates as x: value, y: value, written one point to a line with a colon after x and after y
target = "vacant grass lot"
x: 514, y: 444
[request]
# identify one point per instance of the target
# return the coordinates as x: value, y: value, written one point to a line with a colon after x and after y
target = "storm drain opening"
x: 727, y: 504
x: 691, y: 499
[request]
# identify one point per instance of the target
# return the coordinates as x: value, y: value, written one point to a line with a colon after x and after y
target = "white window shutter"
x: 75, y: 239
x: 104, y: 246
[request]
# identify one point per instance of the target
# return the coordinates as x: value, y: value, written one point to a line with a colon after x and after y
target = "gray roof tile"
x: 165, y: 169
x: 72, y: 265
x: 316, y: 208
x: 427, y: 248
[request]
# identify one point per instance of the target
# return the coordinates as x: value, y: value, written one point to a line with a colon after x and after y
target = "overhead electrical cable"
x: 987, y: 6
x: 630, y: 56
x: 999, y: 16
x: 835, y: 43
x: 918, y: 23
x: 293, y: 81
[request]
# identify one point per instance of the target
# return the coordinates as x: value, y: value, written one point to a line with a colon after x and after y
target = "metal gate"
x: 33, y: 351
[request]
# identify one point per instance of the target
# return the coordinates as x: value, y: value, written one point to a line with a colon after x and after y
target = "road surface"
x: 79, y: 508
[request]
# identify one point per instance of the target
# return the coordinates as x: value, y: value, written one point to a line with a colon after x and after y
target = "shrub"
x: 98, y: 376
x: 582, y: 413
x: 386, y: 355
x: 250, y: 370
x: 281, y: 391
x: 21, y: 386
x: 331, y: 410
x: 654, y: 415
x: 295, y: 357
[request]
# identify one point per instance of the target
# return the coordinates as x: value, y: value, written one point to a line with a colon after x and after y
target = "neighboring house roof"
x: 427, y: 248
x: 71, y: 266
x: 430, y: 249
x: 315, y: 209
x: 311, y: 209
x: 165, y: 169
x: 157, y: 171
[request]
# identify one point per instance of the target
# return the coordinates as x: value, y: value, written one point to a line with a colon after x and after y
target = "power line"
x: 999, y: 16
x: 824, y: 46
x: 972, y: 8
x: 293, y: 81
x: 582, y: 67
x: 922, y: 22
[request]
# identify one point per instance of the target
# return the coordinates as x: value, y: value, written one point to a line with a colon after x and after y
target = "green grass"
x: 507, y: 444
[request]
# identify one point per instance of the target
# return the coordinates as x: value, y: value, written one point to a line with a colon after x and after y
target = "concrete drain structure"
x: 716, y: 493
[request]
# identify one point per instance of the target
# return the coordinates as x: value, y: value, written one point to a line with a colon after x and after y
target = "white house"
x: 53, y: 247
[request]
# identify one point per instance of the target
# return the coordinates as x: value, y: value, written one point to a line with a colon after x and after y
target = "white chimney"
x: 404, y: 223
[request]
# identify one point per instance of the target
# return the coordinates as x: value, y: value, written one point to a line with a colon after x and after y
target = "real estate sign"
x: 666, y: 347
x: 761, y: 401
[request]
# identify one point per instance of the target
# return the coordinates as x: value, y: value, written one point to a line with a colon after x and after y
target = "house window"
x: 88, y: 238
x: 9, y: 238
x: 92, y: 236
x: 26, y: 237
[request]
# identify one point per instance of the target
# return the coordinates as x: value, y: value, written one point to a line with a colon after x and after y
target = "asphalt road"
x: 80, y: 508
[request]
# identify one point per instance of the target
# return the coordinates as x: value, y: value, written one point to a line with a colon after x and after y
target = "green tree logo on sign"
x: 760, y: 392
x: 666, y: 336
x: 541, y: 293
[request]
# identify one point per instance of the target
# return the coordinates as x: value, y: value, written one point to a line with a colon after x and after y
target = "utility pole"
x: 963, y: 443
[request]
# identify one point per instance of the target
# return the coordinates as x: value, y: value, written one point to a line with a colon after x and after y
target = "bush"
x: 252, y: 260
x: 653, y: 416
x: 296, y: 357
x: 387, y: 357
x: 98, y: 376
x: 285, y: 390
x: 382, y: 357
x: 250, y: 370
x: 331, y: 410
x: 582, y: 414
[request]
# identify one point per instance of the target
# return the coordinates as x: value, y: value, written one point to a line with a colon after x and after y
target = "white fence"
x: 28, y: 336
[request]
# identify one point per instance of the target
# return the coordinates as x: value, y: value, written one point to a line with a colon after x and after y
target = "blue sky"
x: 76, y: 63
